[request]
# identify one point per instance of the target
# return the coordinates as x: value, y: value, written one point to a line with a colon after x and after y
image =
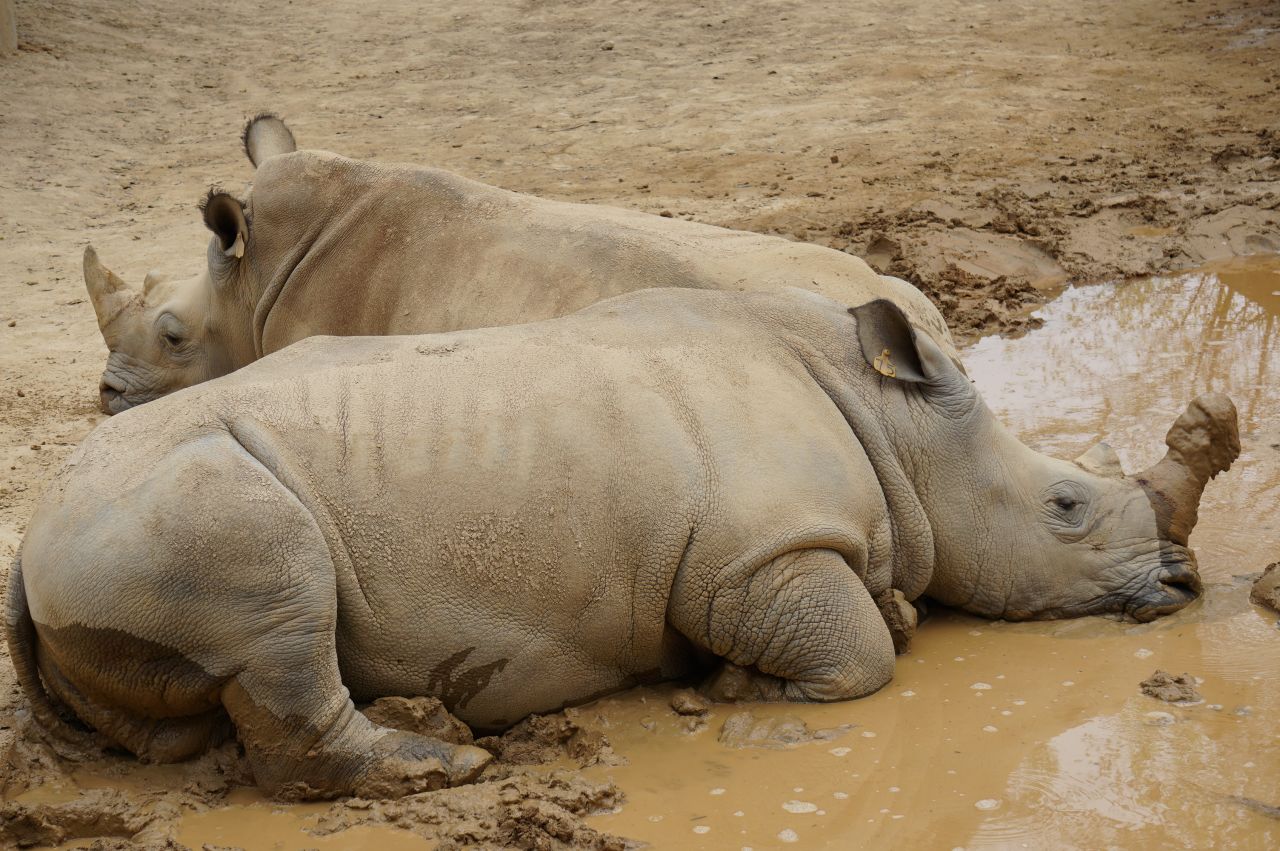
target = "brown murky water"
x: 997, y: 735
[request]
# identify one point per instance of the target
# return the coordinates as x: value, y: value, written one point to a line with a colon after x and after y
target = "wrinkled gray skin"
x: 328, y: 245
x: 519, y: 518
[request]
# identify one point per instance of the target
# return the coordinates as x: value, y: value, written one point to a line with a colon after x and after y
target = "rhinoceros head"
x: 175, y: 333
x: 1018, y: 534
x: 171, y: 333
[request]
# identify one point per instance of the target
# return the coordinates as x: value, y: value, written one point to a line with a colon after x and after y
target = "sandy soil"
x: 985, y: 151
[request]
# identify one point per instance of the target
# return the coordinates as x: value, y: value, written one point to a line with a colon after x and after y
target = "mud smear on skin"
x: 991, y: 735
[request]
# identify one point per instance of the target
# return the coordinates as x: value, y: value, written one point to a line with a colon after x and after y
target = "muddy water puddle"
x: 998, y: 735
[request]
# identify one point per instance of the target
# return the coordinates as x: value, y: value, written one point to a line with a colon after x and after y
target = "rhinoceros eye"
x: 171, y: 331
x: 1066, y: 508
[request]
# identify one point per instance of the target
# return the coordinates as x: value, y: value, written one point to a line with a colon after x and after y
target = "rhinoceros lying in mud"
x: 328, y: 245
x: 515, y: 519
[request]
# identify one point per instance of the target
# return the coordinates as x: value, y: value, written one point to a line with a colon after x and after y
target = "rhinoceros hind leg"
x: 305, y: 739
x: 301, y: 732
x: 802, y: 628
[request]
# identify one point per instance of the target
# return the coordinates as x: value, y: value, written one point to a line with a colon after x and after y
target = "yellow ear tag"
x: 884, y: 366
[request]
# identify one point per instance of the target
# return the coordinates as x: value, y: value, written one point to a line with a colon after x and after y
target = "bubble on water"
x: 898, y: 816
x: 702, y: 828
x: 894, y: 789
x: 884, y: 810
x: 1019, y: 703
x: 989, y: 729
x: 840, y: 796
x: 1249, y: 764
x: 1159, y: 719
x: 655, y: 819
x: 840, y: 751
x: 788, y: 835
x: 908, y: 693
x: 800, y: 807
x: 988, y: 804
x: 1005, y: 712
x: 958, y: 659
x: 867, y: 734
x: 1068, y: 683
x: 980, y: 686
x: 1143, y: 653
x: 798, y: 789
x: 719, y: 790
x: 1216, y: 707
x: 820, y: 813
x: 975, y: 632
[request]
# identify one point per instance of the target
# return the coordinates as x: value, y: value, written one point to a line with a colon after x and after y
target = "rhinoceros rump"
x: 329, y: 245
x: 514, y: 519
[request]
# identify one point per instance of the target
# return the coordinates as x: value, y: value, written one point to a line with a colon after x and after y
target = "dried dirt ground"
x: 985, y: 151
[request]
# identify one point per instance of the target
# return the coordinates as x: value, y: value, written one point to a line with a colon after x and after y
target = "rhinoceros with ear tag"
x: 515, y: 519
x: 328, y: 245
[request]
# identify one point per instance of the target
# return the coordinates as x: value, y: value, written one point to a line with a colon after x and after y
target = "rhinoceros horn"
x: 111, y: 296
x: 1203, y: 442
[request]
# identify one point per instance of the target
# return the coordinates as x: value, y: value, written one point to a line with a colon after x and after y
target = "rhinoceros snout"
x: 111, y: 398
x: 1175, y: 586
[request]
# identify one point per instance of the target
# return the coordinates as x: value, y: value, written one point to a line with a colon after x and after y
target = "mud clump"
x: 423, y: 715
x: 1266, y: 590
x: 542, y: 739
x: 1164, y: 686
x: 96, y: 813
x: 523, y: 811
x: 745, y: 730
x: 689, y: 703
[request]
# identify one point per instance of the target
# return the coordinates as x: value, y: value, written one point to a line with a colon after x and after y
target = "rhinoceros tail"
x: 20, y: 632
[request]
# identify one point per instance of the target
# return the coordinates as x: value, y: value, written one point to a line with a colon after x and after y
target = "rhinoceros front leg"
x: 802, y: 628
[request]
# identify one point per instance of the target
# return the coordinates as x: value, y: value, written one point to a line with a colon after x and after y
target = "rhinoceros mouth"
x: 1176, y: 586
x: 1173, y: 585
x: 114, y: 398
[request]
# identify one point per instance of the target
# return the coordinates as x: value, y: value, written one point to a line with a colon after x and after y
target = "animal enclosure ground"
x: 986, y: 151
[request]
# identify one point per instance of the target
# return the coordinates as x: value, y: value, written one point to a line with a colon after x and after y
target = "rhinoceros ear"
x: 896, y: 349
x: 1101, y: 460
x: 888, y: 340
x: 266, y: 136
x: 224, y: 215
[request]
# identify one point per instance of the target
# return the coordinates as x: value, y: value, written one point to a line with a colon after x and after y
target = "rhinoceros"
x: 516, y: 519
x: 329, y: 245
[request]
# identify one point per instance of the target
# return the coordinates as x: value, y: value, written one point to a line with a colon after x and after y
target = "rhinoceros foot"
x: 408, y: 763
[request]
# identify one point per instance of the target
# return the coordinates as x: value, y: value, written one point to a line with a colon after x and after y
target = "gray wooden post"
x: 8, y: 28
